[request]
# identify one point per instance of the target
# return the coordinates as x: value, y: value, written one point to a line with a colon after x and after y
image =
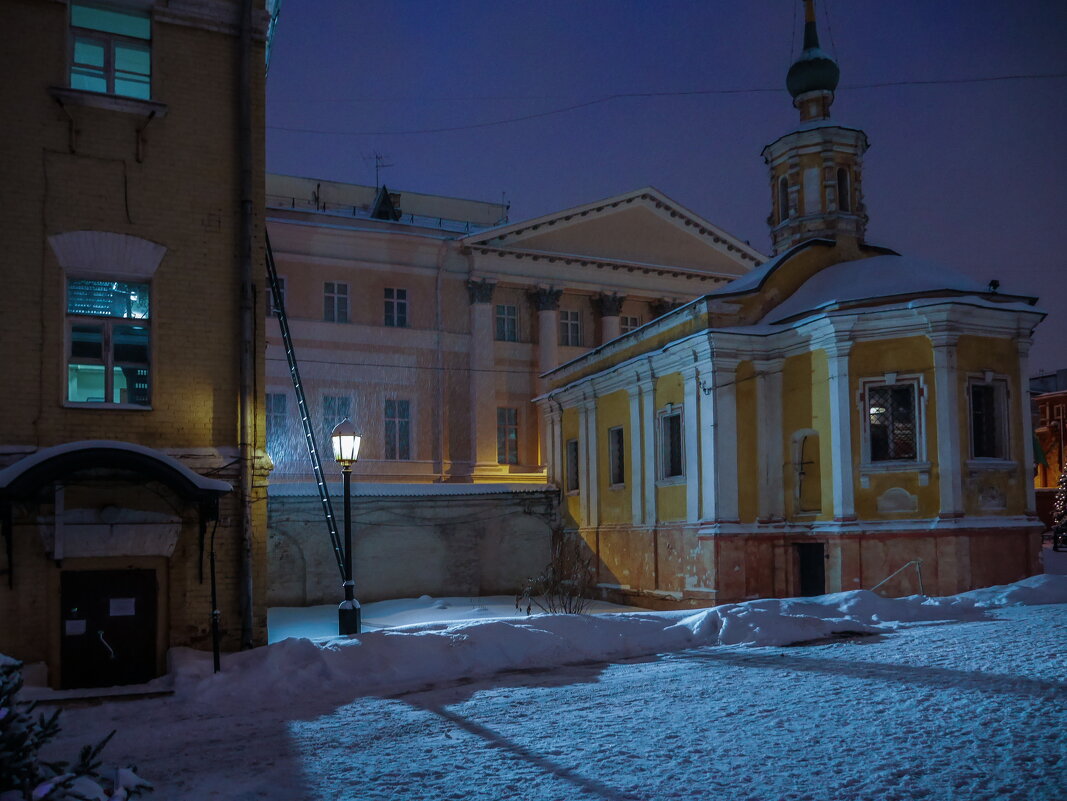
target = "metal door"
x: 108, y: 627
x: 811, y: 568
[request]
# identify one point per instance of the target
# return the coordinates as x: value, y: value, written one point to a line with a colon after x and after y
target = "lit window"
x: 671, y: 462
x: 507, y: 323
x: 507, y: 436
x: 111, y: 50
x: 108, y: 335
x: 335, y: 302
x: 616, y: 460
x: 396, y: 308
x: 570, y: 328
x: 397, y: 429
x: 272, y: 307
x: 277, y: 420
x: 572, y: 466
x: 892, y: 421
x: 989, y: 417
x: 628, y: 324
x: 335, y: 408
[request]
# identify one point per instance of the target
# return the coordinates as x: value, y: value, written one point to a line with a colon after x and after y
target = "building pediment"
x: 643, y: 227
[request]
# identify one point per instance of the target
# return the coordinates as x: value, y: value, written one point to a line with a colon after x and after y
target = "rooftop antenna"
x: 379, y: 165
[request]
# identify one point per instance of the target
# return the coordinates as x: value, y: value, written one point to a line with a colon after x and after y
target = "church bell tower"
x: 815, y: 170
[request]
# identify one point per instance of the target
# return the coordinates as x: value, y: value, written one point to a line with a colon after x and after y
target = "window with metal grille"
x: 396, y: 307
x: 507, y: 435
x: 277, y: 423
x: 616, y: 459
x: 335, y: 408
x: 628, y: 324
x: 507, y: 323
x: 570, y: 328
x: 989, y: 419
x: 335, y: 302
x: 398, y: 430
x: 108, y: 341
x: 671, y: 462
x: 571, y: 468
x: 110, y: 50
x: 892, y: 422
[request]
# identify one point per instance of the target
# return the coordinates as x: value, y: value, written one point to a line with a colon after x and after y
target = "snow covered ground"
x: 712, y: 704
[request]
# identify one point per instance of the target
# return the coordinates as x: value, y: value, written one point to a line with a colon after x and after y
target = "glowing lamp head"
x: 345, y: 442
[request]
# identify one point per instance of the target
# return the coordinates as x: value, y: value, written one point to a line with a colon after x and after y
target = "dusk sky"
x: 962, y: 169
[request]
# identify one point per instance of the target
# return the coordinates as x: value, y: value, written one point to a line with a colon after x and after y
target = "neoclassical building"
x: 839, y: 416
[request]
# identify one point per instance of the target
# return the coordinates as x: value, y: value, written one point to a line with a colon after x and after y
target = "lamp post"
x: 345, y: 450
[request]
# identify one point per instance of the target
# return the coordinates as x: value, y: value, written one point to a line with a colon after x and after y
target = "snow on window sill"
x: 991, y: 464
x: 128, y: 105
x: 895, y: 466
x: 673, y: 481
x: 122, y: 407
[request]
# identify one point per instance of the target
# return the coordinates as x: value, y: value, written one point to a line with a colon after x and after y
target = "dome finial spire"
x: 811, y: 33
x: 813, y: 77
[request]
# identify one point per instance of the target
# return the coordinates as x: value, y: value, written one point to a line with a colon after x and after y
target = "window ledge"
x: 616, y: 487
x: 894, y: 467
x: 673, y: 481
x: 128, y: 105
x: 991, y: 464
x: 119, y: 407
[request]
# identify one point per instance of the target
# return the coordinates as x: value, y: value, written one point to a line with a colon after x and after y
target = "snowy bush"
x: 563, y: 587
x: 24, y: 776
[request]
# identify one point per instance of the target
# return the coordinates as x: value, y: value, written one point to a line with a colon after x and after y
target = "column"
x: 1023, y: 396
x: 726, y: 438
x: 709, y: 509
x: 637, y: 472
x: 947, y: 414
x: 769, y: 428
x: 841, y: 431
x: 648, y: 439
x: 691, y: 447
x: 551, y: 444
x: 483, y: 376
x: 608, y: 307
x: 587, y: 463
x: 546, y: 301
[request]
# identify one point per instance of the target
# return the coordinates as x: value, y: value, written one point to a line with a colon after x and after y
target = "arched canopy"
x: 51, y: 464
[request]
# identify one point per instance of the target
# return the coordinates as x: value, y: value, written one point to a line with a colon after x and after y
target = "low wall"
x: 483, y: 543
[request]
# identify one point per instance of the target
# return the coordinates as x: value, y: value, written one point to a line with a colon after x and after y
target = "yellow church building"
x: 840, y: 416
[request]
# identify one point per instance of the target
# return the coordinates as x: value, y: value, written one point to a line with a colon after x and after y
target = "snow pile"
x: 433, y: 653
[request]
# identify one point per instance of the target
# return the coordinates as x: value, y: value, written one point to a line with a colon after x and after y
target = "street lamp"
x: 345, y: 451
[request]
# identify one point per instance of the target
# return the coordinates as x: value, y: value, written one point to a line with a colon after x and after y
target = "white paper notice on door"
x: 73, y: 628
x: 123, y: 607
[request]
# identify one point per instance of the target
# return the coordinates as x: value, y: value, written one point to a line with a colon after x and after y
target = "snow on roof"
x: 372, y: 490
x: 12, y: 472
x: 875, y: 277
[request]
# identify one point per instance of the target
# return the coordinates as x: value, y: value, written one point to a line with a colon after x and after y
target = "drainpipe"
x: 248, y: 322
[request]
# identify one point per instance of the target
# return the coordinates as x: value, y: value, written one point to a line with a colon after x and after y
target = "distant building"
x: 840, y: 416
x: 133, y: 447
x: 427, y: 320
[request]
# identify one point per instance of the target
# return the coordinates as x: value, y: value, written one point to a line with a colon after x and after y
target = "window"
x: 572, y: 465
x: 570, y: 328
x: 507, y: 323
x: 397, y: 429
x: 616, y: 460
x: 892, y: 422
x: 277, y: 418
x: 272, y: 309
x: 507, y: 436
x: 108, y: 335
x: 396, y: 308
x: 989, y: 430
x: 110, y: 50
x: 335, y: 302
x: 671, y: 463
x: 844, y: 193
x: 628, y: 324
x: 335, y: 408
x: 783, y: 199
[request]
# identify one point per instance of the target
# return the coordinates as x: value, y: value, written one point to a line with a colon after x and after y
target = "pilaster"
x: 770, y: 435
x: 725, y: 435
x: 546, y: 301
x: 1023, y: 348
x: 837, y: 352
x: 946, y: 413
x: 691, y: 423
x: 648, y: 454
x: 482, y: 377
x: 637, y: 477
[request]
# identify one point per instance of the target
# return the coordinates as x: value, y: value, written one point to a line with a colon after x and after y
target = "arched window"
x: 844, y: 191
x: 783, y: 199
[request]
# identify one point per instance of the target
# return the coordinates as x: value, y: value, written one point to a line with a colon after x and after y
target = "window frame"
x: 107, y: 360
x: 396, y: 308
x: 1001, y: 386
x: 506, y: 323
x: 504, y: 453
x: 336, y: 297
x: 919, y: 396
x: 616, y: 457
x: 662, y: 454
x: 395, y: 420
x: 570, y: 328
x: 628, y: 323
x: 110, y: 40
x: 571, y: 467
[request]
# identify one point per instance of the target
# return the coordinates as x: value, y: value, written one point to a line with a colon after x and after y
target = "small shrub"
x: 564, y: 585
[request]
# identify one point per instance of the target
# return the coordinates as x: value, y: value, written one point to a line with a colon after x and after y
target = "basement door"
x: 811, y: 567
x: 108, y: 627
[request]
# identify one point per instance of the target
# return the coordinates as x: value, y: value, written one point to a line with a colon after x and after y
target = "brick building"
x: 134, y: 445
